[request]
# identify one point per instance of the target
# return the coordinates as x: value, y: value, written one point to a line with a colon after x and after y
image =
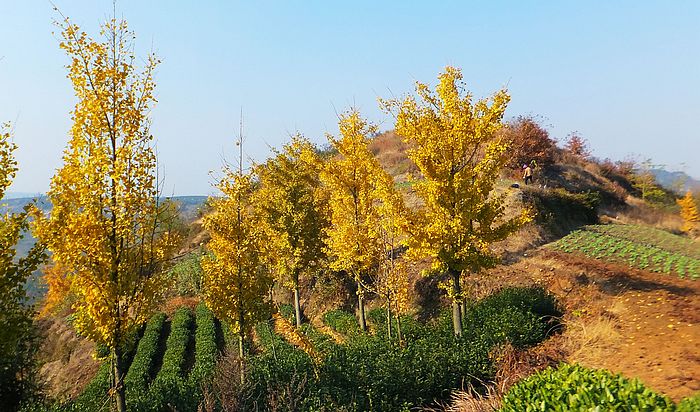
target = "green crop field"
x: 639, y: 247
x: 160, y: 376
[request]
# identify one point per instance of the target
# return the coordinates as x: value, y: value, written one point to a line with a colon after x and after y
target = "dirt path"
x: 637, y: 323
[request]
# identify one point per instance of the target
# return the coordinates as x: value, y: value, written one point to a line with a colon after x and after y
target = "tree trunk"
x: 388, y: 319
x: 361, y: 307
x: 241, y: 354
x: 241, y: 349
x: 398, y: 328
x: 456, y: 306
x: 297, y: 306
x: 118, y: 382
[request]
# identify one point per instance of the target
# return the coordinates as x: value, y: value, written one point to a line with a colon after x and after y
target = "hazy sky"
x: 625, y: 74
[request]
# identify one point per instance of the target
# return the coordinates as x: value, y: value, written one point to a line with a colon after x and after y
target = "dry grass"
x: 640, y: 212
x: 171, y: 305
x: 390, y: 150
x: 67, y: 362
x: 590, y: 340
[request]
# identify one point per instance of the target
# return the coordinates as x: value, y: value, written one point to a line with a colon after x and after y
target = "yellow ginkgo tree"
x: 106, y: 228
x: 290, y: 201
x: 453, y: 143
x: 353, y: 180
x: 235, y: 282
x: 689, y: 212
x: 391, y: 279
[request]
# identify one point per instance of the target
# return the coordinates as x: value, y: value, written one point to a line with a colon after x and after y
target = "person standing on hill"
x: 527, y: 174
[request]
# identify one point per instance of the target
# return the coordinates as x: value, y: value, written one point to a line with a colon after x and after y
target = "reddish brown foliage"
x: 577, y: 145
x: 529, y: 141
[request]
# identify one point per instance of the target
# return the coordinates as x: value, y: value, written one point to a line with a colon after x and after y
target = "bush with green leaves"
x: 139, y: 374
x: 95, y: 395
x: 371, y: 372
x: 169, y: 389
x: 341, y: 321
x: 690, y: 404
x: 532, y: 299
x: 577, y: 388
x: 205, y: 345
x: 287, y: 311
x: 523, y: 316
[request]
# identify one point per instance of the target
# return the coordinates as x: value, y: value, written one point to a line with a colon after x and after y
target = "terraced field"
x: 170, y: 362
x: 638, y: 246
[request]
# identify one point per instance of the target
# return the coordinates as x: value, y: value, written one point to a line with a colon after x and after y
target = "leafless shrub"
x: 226, y: 392
x: 287, y: 396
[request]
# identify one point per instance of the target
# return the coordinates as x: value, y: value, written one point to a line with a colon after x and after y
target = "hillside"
x: 626, y: 288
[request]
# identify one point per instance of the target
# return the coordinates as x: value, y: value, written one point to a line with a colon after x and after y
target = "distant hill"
x: 677, y: 181
x: 189, y: 205
x: 20, y: 195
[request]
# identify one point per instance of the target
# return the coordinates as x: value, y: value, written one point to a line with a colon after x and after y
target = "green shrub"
x: 278, y: 365
x: 574, y: 387
x: 205, y: 345
x: 690, y: 404
x: 341, y: 321
x: 377, y: 316
x: 521, y: 328
x: 169, y: 389
x: 138, y: 376
x: 367, y: 372
x: 533, y: 299
x: 522, y: 316
x: 287, y: 311
x: 94, y: 396
x: 377, y: 374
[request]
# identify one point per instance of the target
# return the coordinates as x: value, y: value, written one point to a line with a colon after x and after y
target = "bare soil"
x: 640, y: 324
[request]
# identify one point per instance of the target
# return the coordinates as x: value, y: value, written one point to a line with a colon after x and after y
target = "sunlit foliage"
x: 291, y: 203
x: 106, y: 227
x: 235, y: 282
x: 355, y: 180
x: 689, y: 212
x: 453, y: 144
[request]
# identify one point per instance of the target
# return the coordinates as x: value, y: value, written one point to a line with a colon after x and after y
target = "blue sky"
x: 625, y: 74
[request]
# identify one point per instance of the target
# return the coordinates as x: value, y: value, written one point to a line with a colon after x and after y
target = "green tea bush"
x: 521, y: 328
x: 523, y: 316
x: 576, y: 388
x: 341, y: 321
x: 95, y: 396
x: 205, y: 345
x: 377, y: 374
x: 169, y: 389
x: 533, y: 299
x: 367, y: 372
x: 287, y: 312
x: 690, y: 404
x: 377, y: 316
x: 138, y: 376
